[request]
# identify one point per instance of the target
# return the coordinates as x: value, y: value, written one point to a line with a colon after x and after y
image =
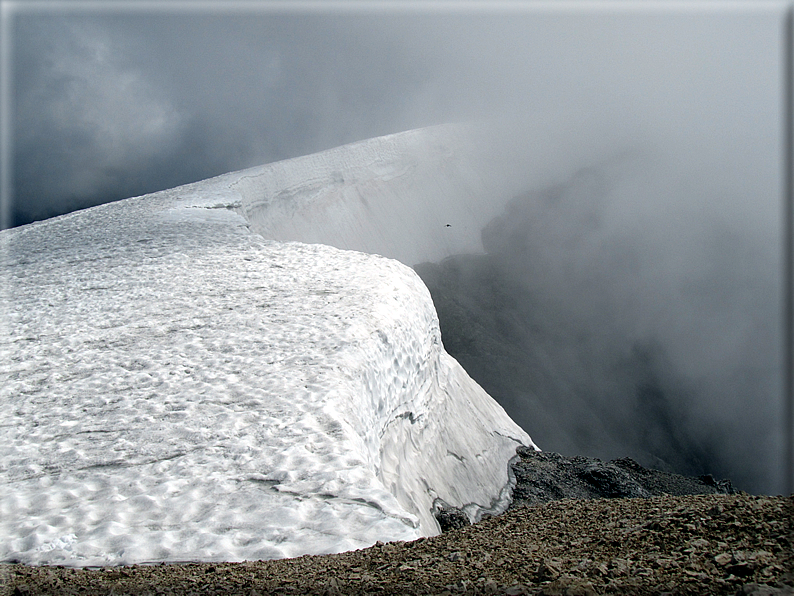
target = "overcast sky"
x: 111, y: 100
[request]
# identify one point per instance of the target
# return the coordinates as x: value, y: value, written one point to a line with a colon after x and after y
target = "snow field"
x: 178, y: 388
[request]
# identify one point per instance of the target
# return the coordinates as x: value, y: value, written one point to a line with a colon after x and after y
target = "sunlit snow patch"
x: 175, y: 387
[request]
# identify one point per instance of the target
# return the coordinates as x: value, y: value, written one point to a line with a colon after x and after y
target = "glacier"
x: 230, y: 370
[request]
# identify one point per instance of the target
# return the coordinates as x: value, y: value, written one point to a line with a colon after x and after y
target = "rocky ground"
x: 542, y: 477
x: 654, y: 536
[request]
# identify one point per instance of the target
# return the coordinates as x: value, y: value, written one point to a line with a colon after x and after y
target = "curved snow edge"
x: 434, y: 432
x: 367, y: 196
x: 438, y: 435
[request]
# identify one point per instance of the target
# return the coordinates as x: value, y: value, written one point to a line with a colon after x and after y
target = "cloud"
x: 625, y: 310
x: 87, y: 125
x: 113, y: 104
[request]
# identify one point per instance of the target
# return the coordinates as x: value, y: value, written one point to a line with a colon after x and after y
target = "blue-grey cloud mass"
x: 115, y: 102
x: 111, y: 103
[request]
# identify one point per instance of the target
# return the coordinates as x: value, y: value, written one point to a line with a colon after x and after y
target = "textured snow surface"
x: 176, y: 387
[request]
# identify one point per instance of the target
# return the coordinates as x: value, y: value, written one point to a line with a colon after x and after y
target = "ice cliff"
x: 415, y: 196
x: 177, y: 386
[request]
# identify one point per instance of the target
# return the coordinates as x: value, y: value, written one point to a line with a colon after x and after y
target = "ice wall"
x: 416, y: 196
x: 419, y: 195
x: 175, y: 387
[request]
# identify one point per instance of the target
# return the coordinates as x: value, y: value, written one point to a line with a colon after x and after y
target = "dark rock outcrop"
x: 542, y: 477
x: 451, y: 518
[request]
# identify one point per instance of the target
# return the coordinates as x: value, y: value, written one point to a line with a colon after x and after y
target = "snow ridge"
x: 180, y: 388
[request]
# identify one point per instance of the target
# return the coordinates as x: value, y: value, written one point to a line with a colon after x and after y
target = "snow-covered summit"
x: 177, y: 387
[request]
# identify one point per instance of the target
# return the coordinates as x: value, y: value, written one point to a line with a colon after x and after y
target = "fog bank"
x: 626, y: 307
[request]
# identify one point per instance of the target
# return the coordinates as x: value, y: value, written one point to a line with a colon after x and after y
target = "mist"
x: 620, y: 312
x: 625, y: 294
x: 113, y: 103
